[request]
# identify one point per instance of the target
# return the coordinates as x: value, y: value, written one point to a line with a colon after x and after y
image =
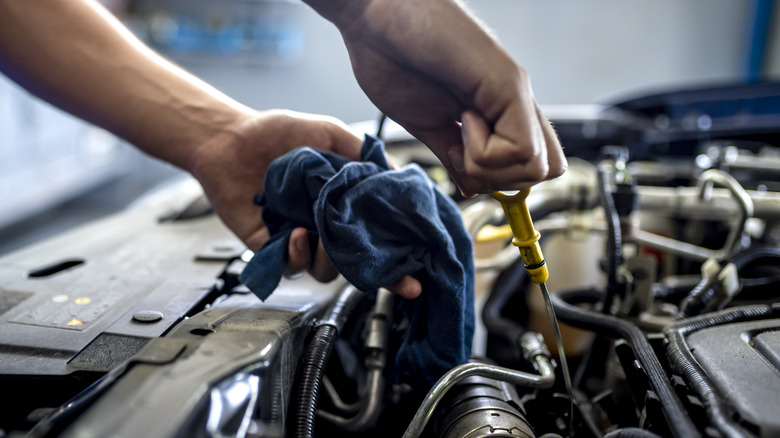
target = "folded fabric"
x: 377, y: 225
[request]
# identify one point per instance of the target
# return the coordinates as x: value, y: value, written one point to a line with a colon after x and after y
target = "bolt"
x: 148, y: 316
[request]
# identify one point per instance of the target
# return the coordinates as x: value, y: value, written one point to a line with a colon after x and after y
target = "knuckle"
x: 558, y: 170
x: 501, y: 151
x: 525, y: 152
x: 321, y: 268
x: 323, y: 275
x: 522, y: 74
x: 293, y: 274
x: 537, y: 174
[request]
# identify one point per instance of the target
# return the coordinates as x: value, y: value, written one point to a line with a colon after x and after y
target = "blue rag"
x: 377, y: 225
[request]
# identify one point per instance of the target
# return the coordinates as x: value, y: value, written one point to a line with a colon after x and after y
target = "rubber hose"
x: 614, y: 238
x: 760, y: 289
x: 682, y: 361
x: 631, y: 432
x: 772, y: 281
x: 311, y: 369
x: 676, y: 417
x: 752, y: 255
x: 506, y: 285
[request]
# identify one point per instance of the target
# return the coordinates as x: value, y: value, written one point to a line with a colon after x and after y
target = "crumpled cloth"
x: 377, y: 225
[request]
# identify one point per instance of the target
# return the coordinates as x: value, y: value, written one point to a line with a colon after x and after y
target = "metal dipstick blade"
x: 561, y: 352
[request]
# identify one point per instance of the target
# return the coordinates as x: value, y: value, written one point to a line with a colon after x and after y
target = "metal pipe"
x: 574, y: 190
x: 705, y: 192
x: 376, y: 343
x: 545, y: 379
x: 760, y: 163
x: 674, y: 246
x: 330, y: 390
x: 476, y: 216
x: 370, y: 406
x: 706, y: 183
x: 702, y: 202
x: 686, y: 202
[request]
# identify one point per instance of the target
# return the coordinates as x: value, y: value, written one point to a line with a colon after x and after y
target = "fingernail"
x: 300, y: 245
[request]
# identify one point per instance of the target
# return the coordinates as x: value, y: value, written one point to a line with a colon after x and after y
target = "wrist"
x: 342, y: 13
x: 216, y: 141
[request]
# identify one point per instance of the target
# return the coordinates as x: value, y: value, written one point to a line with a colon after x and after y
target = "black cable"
x: 565, y: 302
x: 511, y: 280
x: 614, y: 258
x: 380, y: 125
x: 303, y: 406
x: 614, y: 238
x: 682, y: 361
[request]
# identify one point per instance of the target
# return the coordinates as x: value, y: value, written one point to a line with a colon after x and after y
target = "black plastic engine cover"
x: 68, y: 304
x: 127, y: 295
x: 743, y: 360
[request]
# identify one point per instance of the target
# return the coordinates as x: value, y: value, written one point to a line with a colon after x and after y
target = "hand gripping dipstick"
x: 526, y: 239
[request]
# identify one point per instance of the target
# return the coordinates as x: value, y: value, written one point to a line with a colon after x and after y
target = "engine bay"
x: 663, y: 246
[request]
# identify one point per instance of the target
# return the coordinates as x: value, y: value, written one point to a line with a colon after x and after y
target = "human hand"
x: 164, y: 111
x: 433, y: 69
x: 231, y: 168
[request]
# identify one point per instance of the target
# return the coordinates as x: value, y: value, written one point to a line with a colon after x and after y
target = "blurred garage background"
x: 57, y: 172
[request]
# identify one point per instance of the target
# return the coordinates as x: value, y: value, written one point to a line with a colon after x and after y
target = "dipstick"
x: 526, y: 239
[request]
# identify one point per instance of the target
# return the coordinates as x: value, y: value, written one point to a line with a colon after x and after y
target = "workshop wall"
x: 281, y: 54
x: 575, y: 52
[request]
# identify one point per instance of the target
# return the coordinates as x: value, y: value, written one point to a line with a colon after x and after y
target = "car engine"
x: 663, y: 246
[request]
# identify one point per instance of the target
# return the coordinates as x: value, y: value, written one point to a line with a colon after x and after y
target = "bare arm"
x: 76, y: 55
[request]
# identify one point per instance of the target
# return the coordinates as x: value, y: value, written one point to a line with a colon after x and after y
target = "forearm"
x: 77, y: 56
x: 438, y: 38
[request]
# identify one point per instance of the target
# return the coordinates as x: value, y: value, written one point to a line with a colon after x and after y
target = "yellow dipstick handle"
x: 526, y: 237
